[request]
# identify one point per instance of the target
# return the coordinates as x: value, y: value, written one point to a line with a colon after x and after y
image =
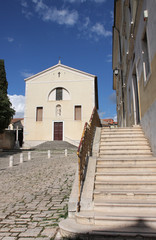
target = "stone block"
x: 31, y: 232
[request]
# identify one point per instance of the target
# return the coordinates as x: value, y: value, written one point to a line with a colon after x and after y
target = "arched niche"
x: 58, y: 110
x: 58, y: 94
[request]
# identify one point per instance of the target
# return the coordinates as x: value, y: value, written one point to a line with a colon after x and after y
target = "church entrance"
x: 58, y: 131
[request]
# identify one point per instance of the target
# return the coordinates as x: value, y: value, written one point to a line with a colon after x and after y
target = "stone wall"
x: 148, y: 125
x: 7, y: 140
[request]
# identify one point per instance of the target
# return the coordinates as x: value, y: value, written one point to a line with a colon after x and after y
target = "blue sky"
x: 35, y: 33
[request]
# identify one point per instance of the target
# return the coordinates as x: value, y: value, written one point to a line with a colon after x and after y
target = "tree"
x: 6, y: 112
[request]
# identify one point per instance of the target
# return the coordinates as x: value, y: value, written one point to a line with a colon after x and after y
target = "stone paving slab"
x: 34, y: 196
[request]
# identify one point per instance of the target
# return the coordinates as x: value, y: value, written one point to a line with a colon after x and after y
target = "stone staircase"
x: 124, y: 195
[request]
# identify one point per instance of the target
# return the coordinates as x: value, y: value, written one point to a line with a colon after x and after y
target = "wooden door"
x: 58, y: 131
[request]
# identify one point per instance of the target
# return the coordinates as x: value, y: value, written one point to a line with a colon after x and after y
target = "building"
x: 108, y: 122
x: 17, y: 125
x: 59, y: 100
x: 134, y: 64
x: 16, y: 122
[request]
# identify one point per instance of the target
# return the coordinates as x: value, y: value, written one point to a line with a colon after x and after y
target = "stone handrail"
x: 85, y: 149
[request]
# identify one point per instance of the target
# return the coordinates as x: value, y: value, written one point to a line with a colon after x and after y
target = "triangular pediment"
x: 58, y: 70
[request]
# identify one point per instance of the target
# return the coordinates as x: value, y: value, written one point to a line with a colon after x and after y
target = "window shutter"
x: 39, y: 114
x: 77, y: 112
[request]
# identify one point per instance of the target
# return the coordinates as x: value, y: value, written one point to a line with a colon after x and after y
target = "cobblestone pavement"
x: 34, y: 195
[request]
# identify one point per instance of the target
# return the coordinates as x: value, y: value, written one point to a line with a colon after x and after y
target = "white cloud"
x: 26, y: 74
x: 65, y: 16
x: 72, y: 1
x: 87, y: 22
x: 27, y: 13
x: 115, y: 118
x: 109, y: 58
x: 24, y: 3
x: 112, y: 98
x: 62, y: 16
x: 82, y: 1
x: 10, y: 39
x: 25, y: 9
x: 94, y: 32
x: 99, y: 1
x: 40, y: 5
x: 112, y: 17
x: 18, y: 103
x: 76, y: 1
x: 99, y: 29
x: 101, y: 114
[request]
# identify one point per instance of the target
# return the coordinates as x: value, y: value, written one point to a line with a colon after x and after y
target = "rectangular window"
x: 39, y: 113
x: 146, y: 64
x: 77, y: 112
x: 58, y: 94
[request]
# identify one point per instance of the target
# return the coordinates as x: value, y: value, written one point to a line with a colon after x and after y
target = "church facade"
x: 59, y: 100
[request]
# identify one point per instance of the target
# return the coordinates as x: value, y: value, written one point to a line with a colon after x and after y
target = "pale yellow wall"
x: 81, y: 89
x: 148, y: 90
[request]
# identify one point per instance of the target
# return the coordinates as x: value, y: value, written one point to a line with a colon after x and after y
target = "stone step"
x: 126, y: 152
x: 121, y: 221
x: 131, y: 156
x: 125, y: 161
x: 114, y: 130
x: 121, y: 128
x: 126, y: 158
x: 124, y: 195
x: 124, y: 147
x: 124, y: 143
x: 137, y: 207
x: 111, y: 227
x: 122, y: 139
x: 128, y: 132
x: 123, y: 135
x: 117, y: 194
x: 125, y: 185
x: 126, y: 176
x: 106, y: 168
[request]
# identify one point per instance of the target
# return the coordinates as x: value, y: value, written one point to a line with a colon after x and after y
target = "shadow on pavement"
x: 138, y: 231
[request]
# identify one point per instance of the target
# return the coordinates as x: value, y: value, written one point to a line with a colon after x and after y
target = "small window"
x: 58, y: 94
x: 39, y: 113
x: 77, y: 112
x: 146, y: 64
